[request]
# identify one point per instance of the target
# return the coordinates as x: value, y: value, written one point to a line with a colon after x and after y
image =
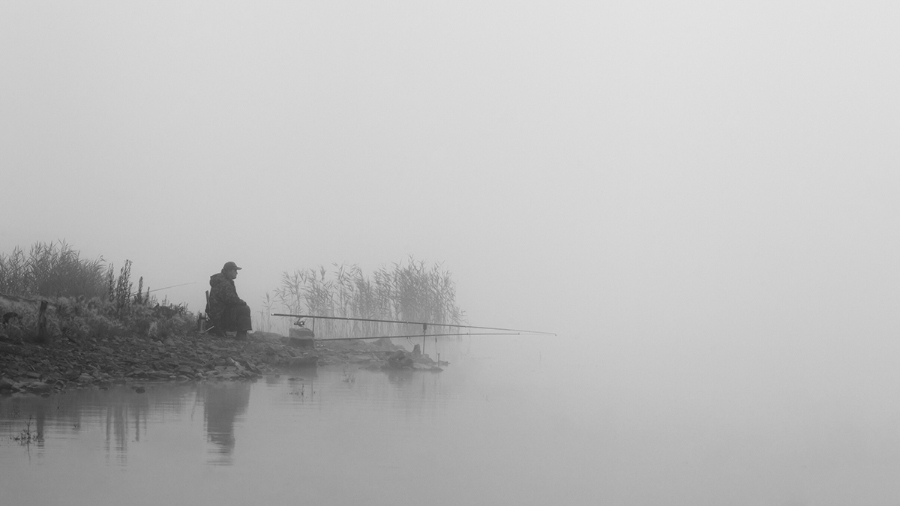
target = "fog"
x: 690, y: 194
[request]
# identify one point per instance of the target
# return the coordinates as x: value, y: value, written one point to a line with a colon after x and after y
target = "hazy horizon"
x: 662, y: 176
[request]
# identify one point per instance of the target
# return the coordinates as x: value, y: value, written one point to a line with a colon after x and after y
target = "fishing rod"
x: 173, y: 286
x: 419, y: 335
x: 413, y: 323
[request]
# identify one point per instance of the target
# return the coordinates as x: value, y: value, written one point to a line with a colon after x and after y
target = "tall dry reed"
x: 51, y: 270
x: 408, y: 291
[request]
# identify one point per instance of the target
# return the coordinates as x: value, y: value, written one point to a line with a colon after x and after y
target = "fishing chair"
x: 229, y: 320
x: 211, y: 326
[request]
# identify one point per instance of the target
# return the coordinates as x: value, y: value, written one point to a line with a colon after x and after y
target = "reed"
x: 51, y: 270
x: 86, y: 298
x: 407, y: 291
x: 119, y: 294
x: 264, y: 323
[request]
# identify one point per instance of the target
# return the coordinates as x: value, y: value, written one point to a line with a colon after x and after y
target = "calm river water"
x: 508, y: 422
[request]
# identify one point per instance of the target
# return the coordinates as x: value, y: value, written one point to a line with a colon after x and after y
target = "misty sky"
x: 620, y: 169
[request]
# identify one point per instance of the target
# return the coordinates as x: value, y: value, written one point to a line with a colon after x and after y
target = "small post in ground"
x: 42, y: 323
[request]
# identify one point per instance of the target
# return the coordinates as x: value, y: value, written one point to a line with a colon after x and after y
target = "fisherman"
x: 225, y: 309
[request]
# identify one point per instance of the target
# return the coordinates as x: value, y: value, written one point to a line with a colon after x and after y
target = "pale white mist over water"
x: 511, y: 421
x: 699, y: 198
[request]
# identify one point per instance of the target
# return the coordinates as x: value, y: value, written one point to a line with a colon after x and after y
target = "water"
x: 510, y: 422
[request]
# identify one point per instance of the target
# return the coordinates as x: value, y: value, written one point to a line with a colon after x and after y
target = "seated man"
x: 225, y: 309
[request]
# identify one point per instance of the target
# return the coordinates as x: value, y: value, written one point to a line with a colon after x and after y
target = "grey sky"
x: 691, y: 170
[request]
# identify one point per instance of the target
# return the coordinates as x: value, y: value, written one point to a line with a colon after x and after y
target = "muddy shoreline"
x: 42, y: 369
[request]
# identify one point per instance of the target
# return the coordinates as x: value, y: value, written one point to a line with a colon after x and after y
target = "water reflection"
x: 223, y: 403
x: 122, y: 415
x: 125, y: 411
x: 499, y: 428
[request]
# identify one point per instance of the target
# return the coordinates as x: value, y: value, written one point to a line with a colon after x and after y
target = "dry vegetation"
x: 74, y: 322
x: 409, y: 292
x: 85, y: 298
x: 51, y: 270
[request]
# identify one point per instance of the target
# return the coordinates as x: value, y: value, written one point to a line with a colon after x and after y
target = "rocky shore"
x: 41, y: 369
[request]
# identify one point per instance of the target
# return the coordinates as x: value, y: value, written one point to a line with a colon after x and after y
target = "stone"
x: 302, y: 332
x: 6, y: 384
x: 38, y: 386
x: 8, y: 349
x: 400, y: 360
x: 307, y: 361
x: 303, y: 343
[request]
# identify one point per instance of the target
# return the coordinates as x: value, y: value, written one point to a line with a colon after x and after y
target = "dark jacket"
x: 222, y: 296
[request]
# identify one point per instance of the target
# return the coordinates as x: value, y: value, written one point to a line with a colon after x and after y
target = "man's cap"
x: 229, y: 266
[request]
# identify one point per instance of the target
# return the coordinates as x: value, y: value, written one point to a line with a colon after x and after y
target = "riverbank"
x: 41, y: 369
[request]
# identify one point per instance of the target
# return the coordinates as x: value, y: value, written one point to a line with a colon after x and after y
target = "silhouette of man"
x: 226, y: 310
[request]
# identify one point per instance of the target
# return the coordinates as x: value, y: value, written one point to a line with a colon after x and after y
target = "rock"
x: 301, y: 332
x: 38, y: 387
x: 400, y: 360
x: 8, y: 349
x: 15, y: 334
x: 304, y: 343
x: 6, y: 384
x: 424, y: 359
x: 85, y: 378
x: 307, y: 361
x: 139, y: 390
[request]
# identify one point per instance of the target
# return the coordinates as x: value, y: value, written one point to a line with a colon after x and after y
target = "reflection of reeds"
x: 28, y: 436
x: 409, y: 291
